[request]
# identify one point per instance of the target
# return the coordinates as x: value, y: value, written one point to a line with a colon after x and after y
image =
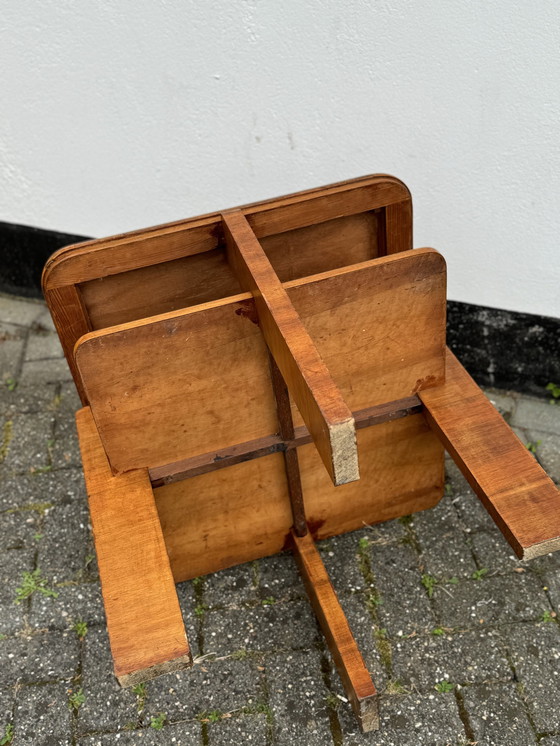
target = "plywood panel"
x: 241, y: 513
x: 195, y: 381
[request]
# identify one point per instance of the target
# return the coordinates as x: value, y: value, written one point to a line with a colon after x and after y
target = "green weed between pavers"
x: 438, y: 631
x: 548, y: 616
x: 383, y: 645
x: 395, y: 687
x: 11, y: 384
x: 8, y: 735
x: 31, y: 583
x: 199, y: 609
x: 80, y: 628
x: 554, y: 389
x: 141, y: 692
x: 444, y: 686
x: 76, y: 699
x: 479, y: 574
x: 532, y: 447
x: 270, y: 601
x: 158, y: 721
x: 6, y: 439
x: 430, y: 583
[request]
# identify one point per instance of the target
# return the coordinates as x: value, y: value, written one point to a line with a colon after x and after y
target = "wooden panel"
x: 323, y: 246
x: 92, y: 259
x: 379, y: 327
x: 190, y: 382
x: 164, y: 287
x: 144, y: 620
x: 71, y: 322
x: 350, y: 665
x: 517, y: 493
x: 161, y: 385
x: 402, y: 472
x: 398, y: 226
x: 328, y: 419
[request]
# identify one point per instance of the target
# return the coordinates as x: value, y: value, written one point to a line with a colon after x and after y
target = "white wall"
x: 118, y: 115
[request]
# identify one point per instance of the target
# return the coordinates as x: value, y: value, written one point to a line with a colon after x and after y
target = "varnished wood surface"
x: 103, y: 257
x: 320, y: 403
x: 379, y: 327
x: 517, y: 493
x: 350, y: 665
x: 228, y: 516
x: 202, y: 464
x: 144, y: 620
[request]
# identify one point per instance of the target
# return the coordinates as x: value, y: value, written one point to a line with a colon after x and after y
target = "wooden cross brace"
x: 277, y: 340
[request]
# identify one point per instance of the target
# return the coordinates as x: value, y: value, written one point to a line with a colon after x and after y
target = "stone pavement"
x: 462, y: 639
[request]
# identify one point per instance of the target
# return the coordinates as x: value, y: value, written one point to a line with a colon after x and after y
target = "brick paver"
x: 474, y: 660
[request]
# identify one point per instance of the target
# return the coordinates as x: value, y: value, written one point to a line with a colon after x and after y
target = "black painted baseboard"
x: 506, y: 349
x: 24, y: 251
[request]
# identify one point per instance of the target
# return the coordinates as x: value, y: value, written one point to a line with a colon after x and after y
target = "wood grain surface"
x: 348, y: 660
x: 326, y: 415
x: 523, y: 501
x: 144, y: 620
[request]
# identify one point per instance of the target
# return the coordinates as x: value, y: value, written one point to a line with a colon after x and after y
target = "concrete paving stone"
x: 12, y: 566
x: 107, y: 706
x: 12, y: 343
x: 411, y: 720
x: 39, y: 372
x: 29, y: 444
x: 472, y: 513
x: 387, y: 532
x: 80, y: 602
x: 68, y: 401
x: 550, y: 741
x: 180, y: 734
x: 41, y: 489
x: 43, y: 346
x: 39, y: 658
x: 537, y: 414
x: 221, y: 686
x: 535, y: 654
x: 18, y: 528
x: 298, y: 698
x: 27, y: 399
x: 462, y: 657
x: 548, y: 451
x: 340, y: 555
x: 278, y: 577
x: 497, y: 716
x: 404, y: 606
x: 65, y: 542
x: 494, y: 553
x: 231, y: 587
x: 504, y: 403
x: 551, y: 581
x: 491, y: 600
x: 7, y: 700
x: 42, y: 716
x: 44, y: 322
x: 66, y: 449
x: 445, y: 551
x: 18, y: 311
x: 369, y: 638
x: 271, y: 627
x: 240, y: 730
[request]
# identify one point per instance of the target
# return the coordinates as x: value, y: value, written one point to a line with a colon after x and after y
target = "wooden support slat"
x: 320, y: 403
x: 144, y: 621
x: 287, y: 432
x: 206, y: 462
x: 517, y: 493
x: 357, y: 682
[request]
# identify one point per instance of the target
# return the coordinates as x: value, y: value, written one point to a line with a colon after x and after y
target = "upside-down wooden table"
x: 234, y: 369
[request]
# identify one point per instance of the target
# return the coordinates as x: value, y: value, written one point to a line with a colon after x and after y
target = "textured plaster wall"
x: 118, y: 115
